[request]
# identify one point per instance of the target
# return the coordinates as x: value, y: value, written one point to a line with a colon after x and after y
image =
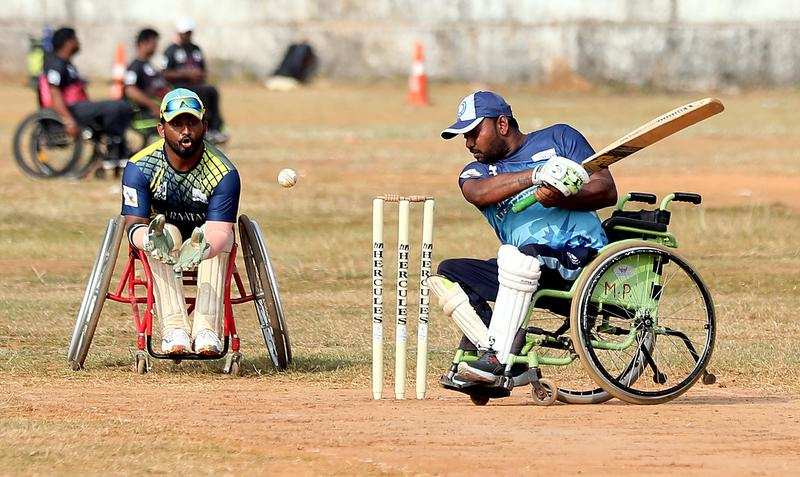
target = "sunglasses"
x: 180, y: 103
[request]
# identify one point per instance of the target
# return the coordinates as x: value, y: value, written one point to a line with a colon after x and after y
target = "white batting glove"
x: 192, y: 252
x: 158, y: 243
x: 567, y: 176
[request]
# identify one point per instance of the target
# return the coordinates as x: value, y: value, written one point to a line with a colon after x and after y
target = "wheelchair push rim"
x: 42, y: 148
x: 94, y: 296
x: 266, y: 298
x: 643, y: 323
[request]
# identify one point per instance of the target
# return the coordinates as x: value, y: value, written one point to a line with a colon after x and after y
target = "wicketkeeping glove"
x: 192, y: 252
x: 567, y: 176
x: 157, y: 242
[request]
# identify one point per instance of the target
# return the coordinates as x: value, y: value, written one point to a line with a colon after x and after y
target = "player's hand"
x: 566, y: 176
x: 549, y: 196
x: 157, y: 243
x: 192, y: 252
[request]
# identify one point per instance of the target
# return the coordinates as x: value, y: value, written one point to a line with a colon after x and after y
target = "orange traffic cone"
x: 118, y: 73
x: 418, y: 81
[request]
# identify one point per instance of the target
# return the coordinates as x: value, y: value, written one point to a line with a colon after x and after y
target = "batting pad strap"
x: 137, y: 242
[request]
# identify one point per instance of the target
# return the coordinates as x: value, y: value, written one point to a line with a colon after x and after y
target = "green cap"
x: 180, y: 101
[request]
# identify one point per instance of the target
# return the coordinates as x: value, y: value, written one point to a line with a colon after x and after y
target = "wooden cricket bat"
x: 650, y: 133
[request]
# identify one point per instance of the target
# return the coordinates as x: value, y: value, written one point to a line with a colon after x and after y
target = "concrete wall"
x: 674, y: 44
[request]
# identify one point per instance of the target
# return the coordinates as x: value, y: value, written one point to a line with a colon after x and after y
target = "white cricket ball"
x: 287, y: 177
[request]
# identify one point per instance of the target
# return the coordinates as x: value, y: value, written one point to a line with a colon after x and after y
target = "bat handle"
x: 524, y: 203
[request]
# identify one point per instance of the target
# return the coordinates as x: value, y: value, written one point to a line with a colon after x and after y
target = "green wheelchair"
x: 639, y: 318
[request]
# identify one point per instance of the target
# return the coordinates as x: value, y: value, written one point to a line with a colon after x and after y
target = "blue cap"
x: 473, y: 108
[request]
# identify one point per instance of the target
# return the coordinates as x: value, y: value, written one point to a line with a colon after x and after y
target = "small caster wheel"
x: 545, y: 394
x: 233, y: 364
x: 709, y: 378
x: 141, y: 364
x: 659, y: 378
x: 479, y: 399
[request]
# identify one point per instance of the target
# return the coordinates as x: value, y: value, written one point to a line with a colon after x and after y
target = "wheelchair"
x: 43, y: 149
x: 135, y: 287
x: 639, y: 319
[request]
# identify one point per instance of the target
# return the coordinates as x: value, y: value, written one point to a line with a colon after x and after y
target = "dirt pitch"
x: 349, y: 143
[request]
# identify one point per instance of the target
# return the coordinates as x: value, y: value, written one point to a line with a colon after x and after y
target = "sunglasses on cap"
x: 183, y: 104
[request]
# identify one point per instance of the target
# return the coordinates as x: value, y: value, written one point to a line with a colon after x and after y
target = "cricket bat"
x: 650, y: 133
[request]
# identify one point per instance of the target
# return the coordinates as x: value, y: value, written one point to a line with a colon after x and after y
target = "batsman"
x: 546, y: 244
x: 182, y: 187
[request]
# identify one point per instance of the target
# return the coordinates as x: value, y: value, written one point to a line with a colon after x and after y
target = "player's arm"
x: 135, y: 204
x: 487, y: 191
x: 223, y: 206
x: 61, y: 108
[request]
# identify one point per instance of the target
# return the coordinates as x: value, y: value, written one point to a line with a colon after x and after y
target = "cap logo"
x: 462, y: 108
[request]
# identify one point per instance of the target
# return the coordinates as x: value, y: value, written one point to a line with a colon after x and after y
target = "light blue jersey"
x: 557, y: 228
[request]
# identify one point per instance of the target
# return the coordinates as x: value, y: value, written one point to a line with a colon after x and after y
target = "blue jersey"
x: 557, y: 228
x: 209, y: 191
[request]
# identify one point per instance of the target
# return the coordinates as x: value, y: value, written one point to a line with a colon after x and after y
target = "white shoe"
x: 176, y: 341
x: 207, y: 342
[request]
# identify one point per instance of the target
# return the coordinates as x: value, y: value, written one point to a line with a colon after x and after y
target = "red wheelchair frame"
x: 126, y: 293
x: 263, y: 292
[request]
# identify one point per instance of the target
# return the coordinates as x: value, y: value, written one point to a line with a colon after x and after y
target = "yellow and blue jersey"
x: 209, y: 191
x: 556, y: 228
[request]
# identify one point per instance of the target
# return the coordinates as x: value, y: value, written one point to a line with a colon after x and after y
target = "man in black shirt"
x: 185, y: 67
x: 62, y: 89
x: 144, y: 85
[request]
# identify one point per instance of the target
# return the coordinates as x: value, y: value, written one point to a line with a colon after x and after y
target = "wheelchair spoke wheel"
x: 264, y: 287
x: 42, y: 147
x: 643, y: 323
x: 95, y: 295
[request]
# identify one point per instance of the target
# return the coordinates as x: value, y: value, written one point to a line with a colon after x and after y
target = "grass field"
x: 349, y: 143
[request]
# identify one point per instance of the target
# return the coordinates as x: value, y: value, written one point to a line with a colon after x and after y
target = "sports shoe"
x: 207, y: 342
x: 176, y: 341
x: 485, y: 370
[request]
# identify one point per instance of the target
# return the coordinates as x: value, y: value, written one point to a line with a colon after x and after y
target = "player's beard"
x: 495, y: 151
x: 185, y: 151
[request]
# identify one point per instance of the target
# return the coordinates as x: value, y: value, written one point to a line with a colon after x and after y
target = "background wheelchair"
x: 43, y: 149
x: 263, y: 292
x: 638, y: 317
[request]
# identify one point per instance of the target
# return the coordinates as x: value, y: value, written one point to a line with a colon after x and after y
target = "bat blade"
x: 655, y: 130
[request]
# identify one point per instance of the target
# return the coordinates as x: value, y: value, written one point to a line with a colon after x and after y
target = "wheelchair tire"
x: 95, y: 295
x: 592, y: 396
x: 264, y: 287
x: 29, y: 156
x: 659, y: 369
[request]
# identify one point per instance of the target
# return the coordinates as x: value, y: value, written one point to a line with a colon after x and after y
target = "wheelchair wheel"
x: 643, y: 322
x: 264, y: 287
x: 95, y: 295
x: 42, y: 147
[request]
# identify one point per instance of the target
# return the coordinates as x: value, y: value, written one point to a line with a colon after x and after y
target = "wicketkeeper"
x: 545, y: 244
x: 183, y: 187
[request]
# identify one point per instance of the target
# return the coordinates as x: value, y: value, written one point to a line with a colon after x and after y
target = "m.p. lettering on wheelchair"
x: 180, y: 199
x: 545, y: 245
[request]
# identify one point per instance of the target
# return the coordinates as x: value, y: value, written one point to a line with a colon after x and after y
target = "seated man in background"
x: 185, y: 67
x: 144, y: 85
x: 62, y: 89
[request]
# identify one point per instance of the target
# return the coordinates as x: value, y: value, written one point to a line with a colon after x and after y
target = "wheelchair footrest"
x: 499, y: 389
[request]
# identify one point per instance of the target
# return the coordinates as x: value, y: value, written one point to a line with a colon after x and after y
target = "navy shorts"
x: 478, y: 278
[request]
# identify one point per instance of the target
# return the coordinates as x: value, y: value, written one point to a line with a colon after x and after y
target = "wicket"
x: 403, y: 254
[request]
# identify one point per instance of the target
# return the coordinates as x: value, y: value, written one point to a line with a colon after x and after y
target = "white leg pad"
x: 455, y: 304
x: 168, y: 290
x: 518, y: 275
x: 210, y: 310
